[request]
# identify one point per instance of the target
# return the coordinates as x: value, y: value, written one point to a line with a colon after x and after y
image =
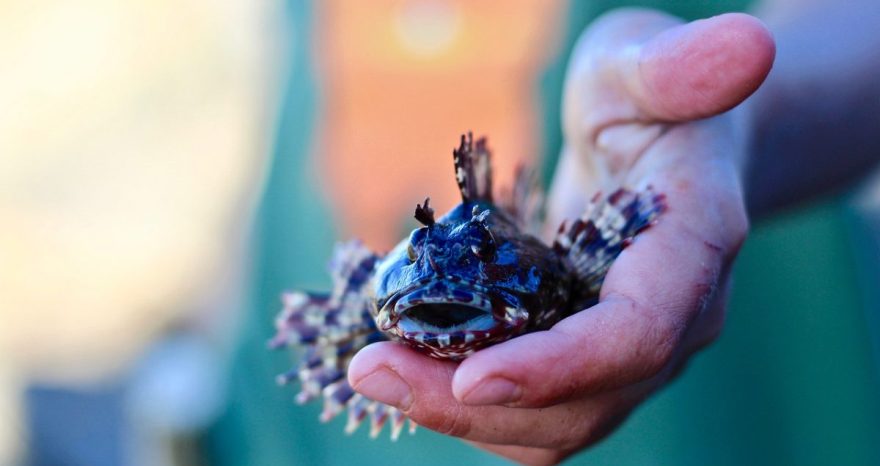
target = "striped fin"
x: 473, y: 169
x: 328, y: 329
x: 593, y: 241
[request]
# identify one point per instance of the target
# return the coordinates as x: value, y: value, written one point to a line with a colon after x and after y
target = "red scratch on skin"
x: 705, y: 293
x: 713, y: 246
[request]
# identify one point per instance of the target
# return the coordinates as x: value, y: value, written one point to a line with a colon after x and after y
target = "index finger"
x: 419, y: 387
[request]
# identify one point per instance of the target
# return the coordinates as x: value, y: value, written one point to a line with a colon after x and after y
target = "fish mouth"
x: 450, y: 318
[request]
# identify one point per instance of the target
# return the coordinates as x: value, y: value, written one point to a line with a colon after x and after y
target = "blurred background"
x: 168, y: 168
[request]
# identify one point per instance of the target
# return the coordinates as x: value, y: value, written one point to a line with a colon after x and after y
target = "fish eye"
x: 485, y: 246
x: 411, y: 253
x: 485, y: 252
x: 416, y: 237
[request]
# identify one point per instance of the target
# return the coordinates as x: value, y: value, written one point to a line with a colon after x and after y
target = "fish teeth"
x: 383, y: 319
x: 443, y: 340
x: 469, y: 337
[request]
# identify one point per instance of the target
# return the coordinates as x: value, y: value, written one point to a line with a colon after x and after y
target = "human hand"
x: 639, y: 90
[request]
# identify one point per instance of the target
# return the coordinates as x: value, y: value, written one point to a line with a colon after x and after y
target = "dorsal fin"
x: 424, y: 213
x: 473, y: 169
x: 524, y: 201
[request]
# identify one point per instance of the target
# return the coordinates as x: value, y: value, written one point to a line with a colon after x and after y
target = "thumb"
x: 700, y: 69
x: 645, y: 66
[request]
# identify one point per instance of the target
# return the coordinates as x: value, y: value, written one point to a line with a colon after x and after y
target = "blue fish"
x: 472, y: 278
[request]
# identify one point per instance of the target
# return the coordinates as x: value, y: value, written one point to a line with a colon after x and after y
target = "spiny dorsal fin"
x: 473, y: 169
x: 425, y: 214
x: 525, y: 200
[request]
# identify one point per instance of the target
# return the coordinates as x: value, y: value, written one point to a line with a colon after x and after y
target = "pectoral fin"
x: 593, y: 241
x: 328, y: 329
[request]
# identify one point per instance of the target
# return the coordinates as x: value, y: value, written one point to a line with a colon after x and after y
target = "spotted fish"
x: 474, y: 277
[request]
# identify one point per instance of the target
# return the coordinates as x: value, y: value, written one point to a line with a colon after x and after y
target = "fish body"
x: 470, y: 279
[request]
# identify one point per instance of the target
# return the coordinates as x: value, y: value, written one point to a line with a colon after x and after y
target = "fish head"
x: 467, y: 281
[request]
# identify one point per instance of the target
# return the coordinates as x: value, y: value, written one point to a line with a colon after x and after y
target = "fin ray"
x: 593, y: 241
x: 329, y: 329
x: 524, y: 201
x: 473, y: 169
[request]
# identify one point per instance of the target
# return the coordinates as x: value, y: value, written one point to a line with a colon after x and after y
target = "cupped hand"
x: 646, y: 102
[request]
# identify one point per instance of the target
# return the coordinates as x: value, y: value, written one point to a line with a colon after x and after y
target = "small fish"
x: 472, y: 278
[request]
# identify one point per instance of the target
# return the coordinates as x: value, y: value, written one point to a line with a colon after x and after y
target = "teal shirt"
x: 790, y: 381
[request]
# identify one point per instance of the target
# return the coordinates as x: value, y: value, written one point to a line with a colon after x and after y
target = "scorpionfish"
x: 474, y: 277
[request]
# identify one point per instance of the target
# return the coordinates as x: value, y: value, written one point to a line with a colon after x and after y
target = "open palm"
x: 646, y: 103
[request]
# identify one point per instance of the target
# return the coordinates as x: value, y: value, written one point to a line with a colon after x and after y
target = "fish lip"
x: 508, y: 315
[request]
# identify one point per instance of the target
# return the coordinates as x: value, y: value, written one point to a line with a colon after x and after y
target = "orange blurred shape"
x: 403, y: 80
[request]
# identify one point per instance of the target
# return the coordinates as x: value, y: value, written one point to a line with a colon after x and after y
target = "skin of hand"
x: 647, y: 101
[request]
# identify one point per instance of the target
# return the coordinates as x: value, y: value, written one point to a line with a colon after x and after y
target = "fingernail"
x: 493, y: 391
x: 385, y: 386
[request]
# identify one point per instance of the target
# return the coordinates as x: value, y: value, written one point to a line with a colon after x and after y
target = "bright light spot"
x: 427, y: 27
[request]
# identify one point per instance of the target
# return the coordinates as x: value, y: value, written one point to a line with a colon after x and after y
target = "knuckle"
x: 588, y: 432
x: 656, y: 341
x: 662, y: 355
x: 573, y: 440
x: 591, y: 53
x: 575, y: 426
x: 453, y: 422
x: 659, y: 346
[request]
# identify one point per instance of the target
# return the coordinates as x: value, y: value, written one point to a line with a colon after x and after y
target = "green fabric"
x: 789, y: 382
x: 791, y: 379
